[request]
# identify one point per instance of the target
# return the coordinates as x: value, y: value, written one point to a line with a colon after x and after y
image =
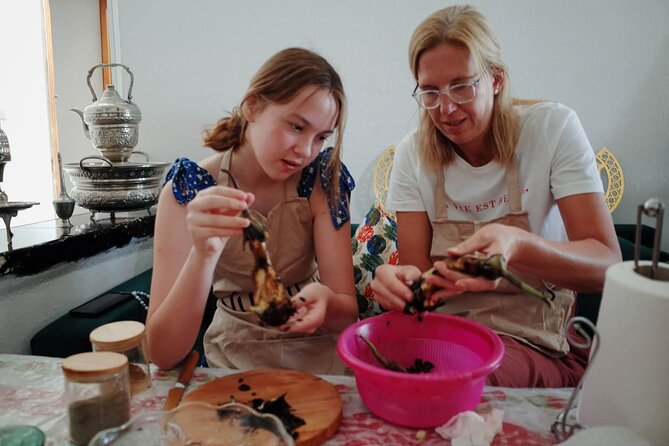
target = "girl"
x: 484, y: 174
x: 272, y: 143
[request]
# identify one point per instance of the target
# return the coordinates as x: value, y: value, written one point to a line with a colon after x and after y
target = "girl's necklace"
x: 138, y: 297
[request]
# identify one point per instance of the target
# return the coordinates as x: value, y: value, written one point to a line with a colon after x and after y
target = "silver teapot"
x: 111, y: 123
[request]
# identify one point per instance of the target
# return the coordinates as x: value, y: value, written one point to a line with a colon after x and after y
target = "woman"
x: 273, y: 144
x: 483, y: 173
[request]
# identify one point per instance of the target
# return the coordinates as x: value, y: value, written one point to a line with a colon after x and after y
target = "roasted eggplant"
x: 271, y: 302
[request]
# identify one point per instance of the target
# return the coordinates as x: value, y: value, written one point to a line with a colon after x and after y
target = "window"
x: 25, y: 105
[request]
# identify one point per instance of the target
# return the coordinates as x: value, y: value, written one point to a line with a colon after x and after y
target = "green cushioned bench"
x: 68, y: 334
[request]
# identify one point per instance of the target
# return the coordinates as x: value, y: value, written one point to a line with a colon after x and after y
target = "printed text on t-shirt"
x: 481, y: 207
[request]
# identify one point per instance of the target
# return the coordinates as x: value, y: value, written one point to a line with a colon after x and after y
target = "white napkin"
x: 471, y: 429
x: 605, y: 436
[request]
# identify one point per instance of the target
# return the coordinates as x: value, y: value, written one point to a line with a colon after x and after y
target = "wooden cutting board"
x: 314, y: 400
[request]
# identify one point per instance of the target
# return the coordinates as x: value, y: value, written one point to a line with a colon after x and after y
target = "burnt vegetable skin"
x: 272, y: 304
x: 387, y: 364
x: 419, y: 365
x: 488, y: 267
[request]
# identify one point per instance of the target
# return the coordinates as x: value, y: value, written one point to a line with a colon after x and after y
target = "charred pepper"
x: 488, y: 267
x: 419, y: 365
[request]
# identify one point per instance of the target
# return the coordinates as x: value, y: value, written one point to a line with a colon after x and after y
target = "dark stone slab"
x: 39, y: 246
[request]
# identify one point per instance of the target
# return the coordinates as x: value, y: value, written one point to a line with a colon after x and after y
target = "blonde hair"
x: 463, y: 25
x: 282, y: 77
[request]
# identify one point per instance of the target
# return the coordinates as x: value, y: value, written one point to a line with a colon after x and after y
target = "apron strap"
x: 513, y: 184
x: 289, y: 186
x: 225, y: 164
x: 440, y: 195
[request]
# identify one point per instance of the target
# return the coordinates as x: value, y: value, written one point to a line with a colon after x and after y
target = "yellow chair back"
x: 381, y: 177
x: 612, y: 175
x: 607, y: 163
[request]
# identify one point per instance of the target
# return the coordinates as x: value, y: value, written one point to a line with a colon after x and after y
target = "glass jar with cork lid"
x: 97, y: 393
x: 126, y: 337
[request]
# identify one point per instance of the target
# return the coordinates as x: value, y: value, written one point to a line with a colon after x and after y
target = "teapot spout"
x: 81, y: 115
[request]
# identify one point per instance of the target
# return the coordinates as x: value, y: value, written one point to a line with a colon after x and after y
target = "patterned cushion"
x: 374, y: 243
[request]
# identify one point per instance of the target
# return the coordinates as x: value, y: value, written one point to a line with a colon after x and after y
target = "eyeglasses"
x: 457, y: 93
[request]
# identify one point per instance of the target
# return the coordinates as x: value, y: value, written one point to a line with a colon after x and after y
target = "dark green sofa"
x: 68, y: 334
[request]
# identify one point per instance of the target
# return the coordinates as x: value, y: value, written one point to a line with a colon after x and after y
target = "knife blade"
x: 176, y: 392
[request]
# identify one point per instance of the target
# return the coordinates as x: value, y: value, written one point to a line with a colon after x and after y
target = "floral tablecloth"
x: 31, y: 392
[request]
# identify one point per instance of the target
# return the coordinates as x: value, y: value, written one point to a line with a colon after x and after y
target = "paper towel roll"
x: 628, y: 381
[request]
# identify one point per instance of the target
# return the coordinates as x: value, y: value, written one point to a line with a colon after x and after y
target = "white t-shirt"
x: 555, y: 160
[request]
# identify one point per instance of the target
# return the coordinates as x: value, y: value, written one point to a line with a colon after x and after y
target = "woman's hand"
x: 391, y: 285
x: 491, y: 239
x: 452, y: 283
x: 213, y: 216
x: 311, y: 304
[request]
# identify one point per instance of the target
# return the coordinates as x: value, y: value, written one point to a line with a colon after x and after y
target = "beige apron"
x: 235, y: 340
x: 518, y: 315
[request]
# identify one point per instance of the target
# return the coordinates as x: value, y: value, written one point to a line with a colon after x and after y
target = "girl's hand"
x: 311, y: 304
x: 213, y: 216
x: 391, y: 285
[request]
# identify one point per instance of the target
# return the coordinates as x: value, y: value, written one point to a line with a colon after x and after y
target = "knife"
x: 176, y: 392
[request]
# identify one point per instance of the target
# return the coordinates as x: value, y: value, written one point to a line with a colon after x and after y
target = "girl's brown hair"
x: 278, y: 81
x: 463, y: 25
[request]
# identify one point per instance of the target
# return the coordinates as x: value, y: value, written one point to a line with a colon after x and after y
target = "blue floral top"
x: 188, y: 179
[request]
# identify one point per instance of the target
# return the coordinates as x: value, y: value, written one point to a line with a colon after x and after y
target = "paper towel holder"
x: 565, y: 425
x: 652, y: 207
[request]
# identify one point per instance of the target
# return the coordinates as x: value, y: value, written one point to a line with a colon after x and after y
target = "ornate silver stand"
x: 567, y: 424
x: 8, y: 209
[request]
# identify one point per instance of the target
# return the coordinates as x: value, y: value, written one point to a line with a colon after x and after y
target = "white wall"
x: 607, y: 59
x: 28, y: 304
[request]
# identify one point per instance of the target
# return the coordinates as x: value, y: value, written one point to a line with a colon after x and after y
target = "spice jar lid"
x: 88, y: 366
x: 117, y: 336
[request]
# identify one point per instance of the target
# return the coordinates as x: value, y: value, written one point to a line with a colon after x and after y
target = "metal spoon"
x: 256, y: 230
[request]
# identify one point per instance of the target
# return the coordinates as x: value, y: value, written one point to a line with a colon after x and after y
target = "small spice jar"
x: 97, y: 393
x: 126, y: 337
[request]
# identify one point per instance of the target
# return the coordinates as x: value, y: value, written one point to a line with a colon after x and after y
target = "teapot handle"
x: 85, y: 168
x: 109, y: 65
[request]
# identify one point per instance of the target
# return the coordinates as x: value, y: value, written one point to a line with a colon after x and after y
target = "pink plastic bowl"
x: 463, y: 353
